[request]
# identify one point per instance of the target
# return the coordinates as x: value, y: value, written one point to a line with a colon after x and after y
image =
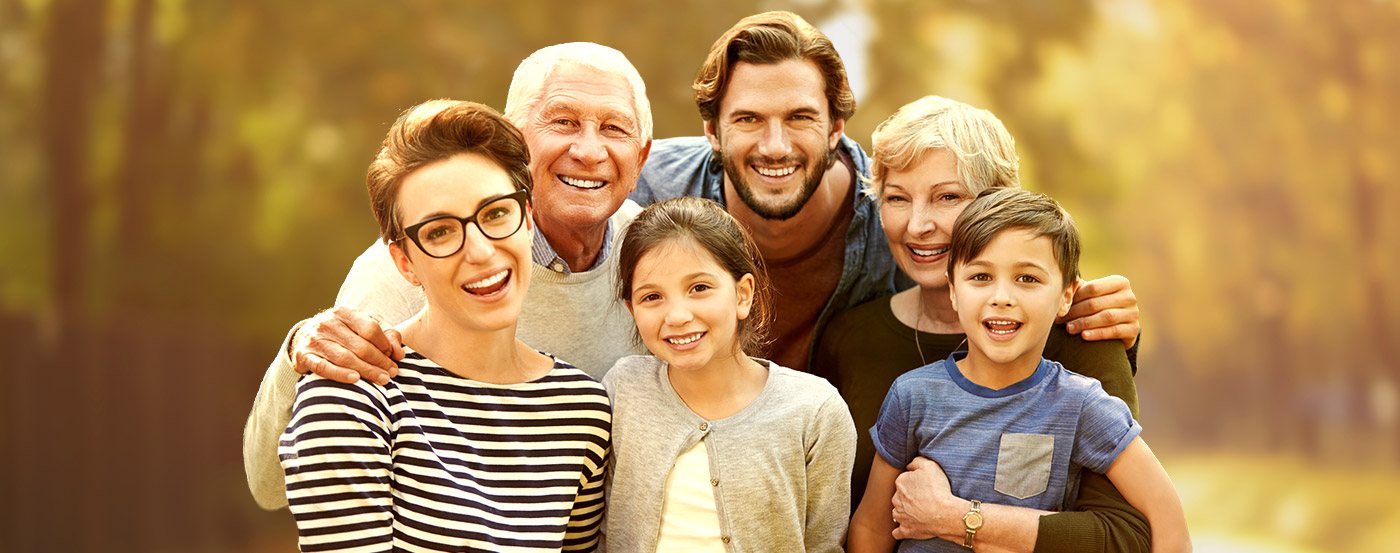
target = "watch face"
x: 973, y: 520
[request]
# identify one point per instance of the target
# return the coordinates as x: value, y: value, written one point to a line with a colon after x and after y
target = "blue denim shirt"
x: 686, y: 167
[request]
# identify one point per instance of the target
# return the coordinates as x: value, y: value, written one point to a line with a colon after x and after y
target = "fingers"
x: 1105, y: 309
x: 317, y: 365
x: 396, y: 341
x: 1093, y: 298
x: 1113, y: 324
x: 1110, y: 284
x: 341, y: 340
x: 918, y: 463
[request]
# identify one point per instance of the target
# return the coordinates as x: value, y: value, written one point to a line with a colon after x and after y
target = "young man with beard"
x: 774, y: 99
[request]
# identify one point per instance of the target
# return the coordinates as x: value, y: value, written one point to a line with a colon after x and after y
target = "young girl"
x: 715, y: 450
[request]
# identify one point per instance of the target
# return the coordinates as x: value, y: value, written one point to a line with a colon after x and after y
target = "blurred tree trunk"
x: 145, y: 120
x: 73, y: 50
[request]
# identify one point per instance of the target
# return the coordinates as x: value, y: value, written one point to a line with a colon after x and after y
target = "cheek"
x: 894, y: 223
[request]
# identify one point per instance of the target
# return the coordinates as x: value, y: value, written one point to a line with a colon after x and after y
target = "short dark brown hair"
x: 433, y: 131
x: 717, y: 232
x: 1000, y: 209
x: 769, y: 38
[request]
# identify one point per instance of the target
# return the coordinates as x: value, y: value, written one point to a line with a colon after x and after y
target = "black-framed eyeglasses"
x: 444, y: 235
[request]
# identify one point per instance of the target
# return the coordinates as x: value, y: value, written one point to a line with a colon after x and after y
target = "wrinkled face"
x: 1008, y: 297
x: 586, y: 148
x: 918, y: 206
x: 687, y: 306
x: 774, y: 135
x: 482, y: 285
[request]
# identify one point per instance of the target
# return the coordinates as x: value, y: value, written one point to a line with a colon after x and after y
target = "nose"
x: 774, y: 144
x: 476, y: 247
x: 588, y: 147
x: 1002, y: 294
x: 678, y: 314
x: 921, y: 220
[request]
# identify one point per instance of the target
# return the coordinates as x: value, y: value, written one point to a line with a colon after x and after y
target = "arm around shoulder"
x: 272, y: 410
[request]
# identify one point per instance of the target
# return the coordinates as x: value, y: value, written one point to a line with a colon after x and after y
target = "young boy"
x: 1006, y: 425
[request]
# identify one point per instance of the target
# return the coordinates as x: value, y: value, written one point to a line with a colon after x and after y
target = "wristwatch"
x: 973, y: 522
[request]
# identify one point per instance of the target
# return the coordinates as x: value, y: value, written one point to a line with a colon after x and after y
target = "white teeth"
x: 1006, y: 327
x: 775, y: 172
x: 683, y: 340
x: 488, y: 281
x: 926, y: 253
x: 580, y: 183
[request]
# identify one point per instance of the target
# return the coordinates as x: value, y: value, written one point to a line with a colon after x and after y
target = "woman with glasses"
x: 480, y: 443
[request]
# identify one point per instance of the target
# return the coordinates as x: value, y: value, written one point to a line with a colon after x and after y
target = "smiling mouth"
x: 776, y: 171
x: 488, y: 285
x: 582, y: 183
x: 1001, y: 327
x: 922, y: 252
x: 685, y: 339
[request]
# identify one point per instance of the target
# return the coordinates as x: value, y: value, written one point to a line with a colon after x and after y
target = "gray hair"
x: 527, y: 85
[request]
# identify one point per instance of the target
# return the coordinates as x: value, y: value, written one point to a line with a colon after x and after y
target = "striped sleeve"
x: 336, y: 456
x: 586, y: 519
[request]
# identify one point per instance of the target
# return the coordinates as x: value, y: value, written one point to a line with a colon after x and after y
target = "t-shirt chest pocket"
x: 1023, y: 464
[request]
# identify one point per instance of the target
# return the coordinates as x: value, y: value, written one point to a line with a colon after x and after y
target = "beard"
x: 776, y: 211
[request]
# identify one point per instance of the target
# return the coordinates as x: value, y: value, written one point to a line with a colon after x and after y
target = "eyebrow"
x: 555, y: 107
x: 955, y: 182
x: 1018, y: 265
x: 479, y: 205
x: 636, y: 286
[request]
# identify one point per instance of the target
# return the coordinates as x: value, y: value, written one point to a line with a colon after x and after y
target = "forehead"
x: 929, y: 168
x: 674, y: 256
x: 455, y: 185
x: 1016, y: 246
x: 577, y: 87
x: 782, y: 87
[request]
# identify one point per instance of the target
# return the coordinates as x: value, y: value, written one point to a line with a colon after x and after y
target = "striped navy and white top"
x: 436, y: 462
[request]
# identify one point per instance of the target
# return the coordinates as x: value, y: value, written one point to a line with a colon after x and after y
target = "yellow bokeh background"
x: 182, y: 180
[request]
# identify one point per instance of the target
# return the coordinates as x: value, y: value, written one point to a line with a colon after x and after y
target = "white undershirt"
x: 689, y: 521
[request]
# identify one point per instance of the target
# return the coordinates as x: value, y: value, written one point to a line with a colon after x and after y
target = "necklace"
x: 919, y: 317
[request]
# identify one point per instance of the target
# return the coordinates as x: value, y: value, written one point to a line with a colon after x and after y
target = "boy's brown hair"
x: 1000, y: 209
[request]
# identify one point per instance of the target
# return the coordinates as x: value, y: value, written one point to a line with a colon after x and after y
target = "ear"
x: 744, y: 289
x: 1067, y: 298
x: 712, y: 134
x: 628, y: 303
x: 530, y: 215
x: 403, y: 264
x: 952, y: 294
x: 838, y: 126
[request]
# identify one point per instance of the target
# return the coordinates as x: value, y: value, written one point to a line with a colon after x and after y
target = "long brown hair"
x: 715, y: 230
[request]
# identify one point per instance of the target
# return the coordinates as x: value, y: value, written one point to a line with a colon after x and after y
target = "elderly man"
x: 774, y: 99
x: 584, y: 112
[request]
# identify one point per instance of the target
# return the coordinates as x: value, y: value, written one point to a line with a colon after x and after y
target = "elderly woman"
x: 481, y: 443
x: 930, y: 159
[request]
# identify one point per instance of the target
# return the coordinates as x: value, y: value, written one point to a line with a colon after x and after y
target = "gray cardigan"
x: 780, y: 467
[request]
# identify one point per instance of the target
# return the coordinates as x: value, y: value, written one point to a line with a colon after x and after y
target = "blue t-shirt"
x: 1022, y: 445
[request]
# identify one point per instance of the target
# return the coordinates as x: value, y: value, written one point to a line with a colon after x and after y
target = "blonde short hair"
x: 984, y: 150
